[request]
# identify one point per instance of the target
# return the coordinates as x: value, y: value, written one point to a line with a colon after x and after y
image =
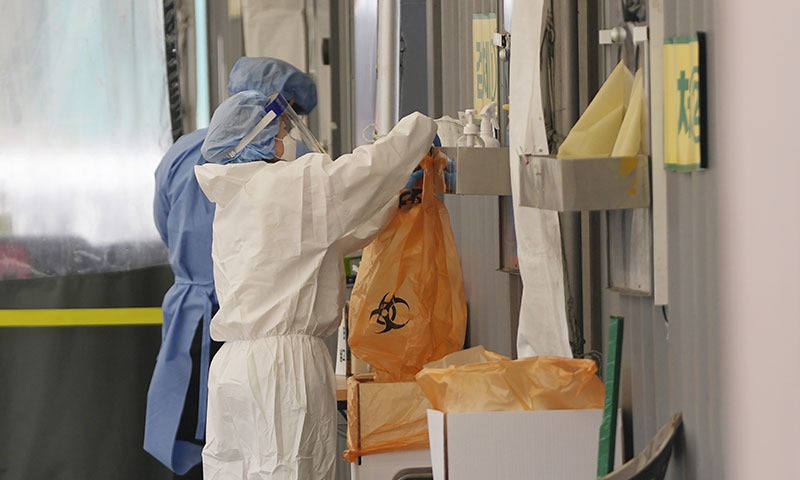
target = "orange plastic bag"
x: 384, y: 417
x: 407, y: 306
x: 534, y: 383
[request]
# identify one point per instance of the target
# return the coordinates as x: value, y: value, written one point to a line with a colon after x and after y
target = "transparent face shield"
x: 293, y: 139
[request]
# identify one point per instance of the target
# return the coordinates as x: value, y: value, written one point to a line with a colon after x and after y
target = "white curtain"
x: 542, y: 317
x: 84, y: 120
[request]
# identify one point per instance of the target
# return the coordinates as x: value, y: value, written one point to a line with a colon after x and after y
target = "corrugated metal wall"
x: 492, y: 295
x: 671, y: 355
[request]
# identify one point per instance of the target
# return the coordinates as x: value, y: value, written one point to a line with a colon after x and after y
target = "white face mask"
x: 289, y: 148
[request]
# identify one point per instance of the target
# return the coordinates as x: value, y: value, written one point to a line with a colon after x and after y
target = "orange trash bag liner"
x: 391, y: 416
x: 535, y: 383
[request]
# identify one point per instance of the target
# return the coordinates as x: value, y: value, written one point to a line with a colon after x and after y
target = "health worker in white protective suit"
x: 175, y: 420
x: 281, y: 229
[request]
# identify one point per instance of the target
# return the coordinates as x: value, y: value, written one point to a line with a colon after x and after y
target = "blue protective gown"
x: 183, y: 216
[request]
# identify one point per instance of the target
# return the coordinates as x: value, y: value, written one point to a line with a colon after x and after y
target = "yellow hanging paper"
x: 595, y: 132
x: 629, y: 139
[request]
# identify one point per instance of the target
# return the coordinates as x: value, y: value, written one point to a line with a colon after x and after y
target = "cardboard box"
x: 384, y: 417
x: 386, y: 466
x: 530, y: 445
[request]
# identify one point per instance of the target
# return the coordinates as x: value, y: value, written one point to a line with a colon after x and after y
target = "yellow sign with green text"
x: 685, y: 147
x: 484, y: 57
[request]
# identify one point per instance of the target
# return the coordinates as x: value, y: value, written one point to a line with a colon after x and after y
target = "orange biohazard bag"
x: 407, y: 306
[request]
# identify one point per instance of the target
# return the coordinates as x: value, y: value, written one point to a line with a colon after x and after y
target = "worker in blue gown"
x: 177, y: 397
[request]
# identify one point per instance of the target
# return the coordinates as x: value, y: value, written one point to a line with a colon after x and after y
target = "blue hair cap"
x: 271, y: 75
x: 231, y: 122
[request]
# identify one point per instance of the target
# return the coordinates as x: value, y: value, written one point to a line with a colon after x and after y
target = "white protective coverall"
x: 280, y: 233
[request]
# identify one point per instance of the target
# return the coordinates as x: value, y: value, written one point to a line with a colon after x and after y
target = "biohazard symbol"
x: 387, y: 313
x: 411, y: 196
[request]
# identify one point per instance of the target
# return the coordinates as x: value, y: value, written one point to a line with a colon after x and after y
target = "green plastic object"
x: 608, y: 427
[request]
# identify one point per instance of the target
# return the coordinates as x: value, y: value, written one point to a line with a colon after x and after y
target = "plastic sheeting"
x: 84, y: 119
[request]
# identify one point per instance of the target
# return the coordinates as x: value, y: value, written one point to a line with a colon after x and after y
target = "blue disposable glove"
x: 415, y: 177
x: 449, y: 176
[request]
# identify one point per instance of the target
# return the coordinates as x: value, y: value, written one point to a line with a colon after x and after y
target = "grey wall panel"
x: 673, y: 366
x: 475, y: 219
x: 413, y: 59
x: 667, y: 366
x: 225, y: 47
x: 671, y: 355
x: 456, y: 58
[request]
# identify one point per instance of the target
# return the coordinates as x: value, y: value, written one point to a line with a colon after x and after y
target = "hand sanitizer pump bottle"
x: 471, y: 136
x: 489, y: 124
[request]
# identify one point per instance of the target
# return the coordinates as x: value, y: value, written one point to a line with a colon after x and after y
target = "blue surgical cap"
x: 232, y: 121
x: 270, y: 75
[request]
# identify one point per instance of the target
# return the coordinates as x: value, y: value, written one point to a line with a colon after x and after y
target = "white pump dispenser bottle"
x: 471, y: 136
x: 489, y: 124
